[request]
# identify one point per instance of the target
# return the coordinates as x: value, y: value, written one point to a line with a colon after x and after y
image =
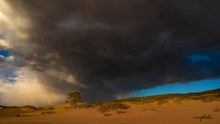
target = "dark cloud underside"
x: 116, y: 46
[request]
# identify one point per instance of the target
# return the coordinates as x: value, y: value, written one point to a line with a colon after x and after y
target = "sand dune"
x: 170, y: 113
x: 199, y: 108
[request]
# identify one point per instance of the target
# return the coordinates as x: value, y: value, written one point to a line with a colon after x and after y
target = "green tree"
x: 73, y: 97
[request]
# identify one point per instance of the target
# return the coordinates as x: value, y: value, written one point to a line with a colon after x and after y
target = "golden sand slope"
x: 143, y: 113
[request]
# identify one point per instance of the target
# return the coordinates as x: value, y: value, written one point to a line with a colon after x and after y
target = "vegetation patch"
x: 28, y: 108
x: 111, y: 106
x: 46, y: 108
x: 73, y: 98
x: 84, y: 105
x: 47, y: 112
x: 120, y: 112
x: 107, y: 114
x: 209, y: 99
x: 163, y: 101
x: 217, y: 109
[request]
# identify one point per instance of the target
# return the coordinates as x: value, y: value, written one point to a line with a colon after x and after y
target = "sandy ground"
x: 151, y: 113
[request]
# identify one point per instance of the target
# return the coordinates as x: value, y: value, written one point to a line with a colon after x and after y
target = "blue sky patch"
x: 194, y: 86
x: 4, y: 53
x: 195, y: 58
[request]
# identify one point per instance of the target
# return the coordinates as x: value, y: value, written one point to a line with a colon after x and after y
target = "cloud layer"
x: 106, y: 49
x: 27, y: 90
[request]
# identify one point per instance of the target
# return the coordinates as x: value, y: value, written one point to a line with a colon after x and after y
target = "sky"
x: 190, y: 87
x: 106, y: 49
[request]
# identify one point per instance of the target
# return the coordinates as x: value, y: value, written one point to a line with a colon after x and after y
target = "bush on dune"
x: 28, y: 108
x: 46, y: 108
x: 209, y: 99
x: 73, y: 98
x: 84, y: 105
x: 109, y: 106
x: 217, y: 109
x: 163, y: 101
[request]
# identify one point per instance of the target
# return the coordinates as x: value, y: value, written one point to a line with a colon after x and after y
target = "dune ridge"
x: 189, y: 108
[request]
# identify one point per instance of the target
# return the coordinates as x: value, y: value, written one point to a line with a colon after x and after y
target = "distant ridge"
x: 215, y: 90
x: 205, y: 96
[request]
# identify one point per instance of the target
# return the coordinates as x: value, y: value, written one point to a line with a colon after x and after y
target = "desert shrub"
x: 108, y: 106
x: 46, y: 108
x: 13, y: 107
x: 29, y: 107
x: 163, y: 101
x: 84, y: 105
x: 197, y: 97
x: 143, y: 110
x: 120, y: 111
x: 107, y: 114
x: 177, y: 100
x: 135, y: 100
x: 217, y: 109
x: 73, y: 98
x: 63, y: 106
x: 208, y: 99
x: 48, y: 112
x: 152, y: 109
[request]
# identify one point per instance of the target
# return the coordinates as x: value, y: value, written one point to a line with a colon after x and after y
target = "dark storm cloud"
x: 115, y: 46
